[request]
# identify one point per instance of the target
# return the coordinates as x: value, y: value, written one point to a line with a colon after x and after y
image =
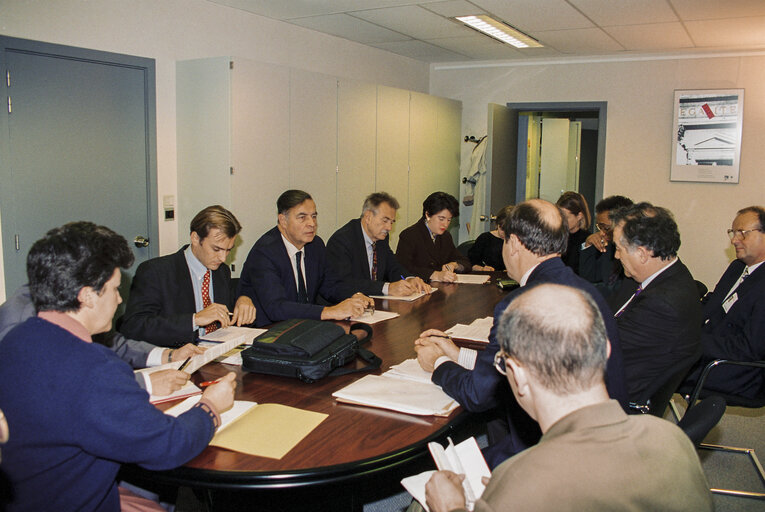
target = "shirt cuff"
x: 147, y: 381
x: 155, y: 356
x: 467, y: 358
x: 441, y: 360
x: 211, y: 412
x: 386, y: 286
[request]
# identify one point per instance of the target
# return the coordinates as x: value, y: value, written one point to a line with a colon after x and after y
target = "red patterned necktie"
x: 374, y: 261
x: 206, y: 301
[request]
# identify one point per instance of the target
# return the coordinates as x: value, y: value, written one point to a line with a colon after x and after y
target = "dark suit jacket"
x: 738, y: 335
x: 418, y: 253
x: 161, y: 303
x: 347, y: 255
x: 484, y: 388
x: 268, y: 279
x: 659, y: 331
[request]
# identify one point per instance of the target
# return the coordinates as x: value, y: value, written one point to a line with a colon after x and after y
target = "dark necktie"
x: 374, y: 261
x: 206, y: 301
x: 302, y: 294
x: 626, y: 304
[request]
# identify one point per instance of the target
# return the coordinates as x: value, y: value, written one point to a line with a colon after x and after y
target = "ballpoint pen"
x: 185, y: 364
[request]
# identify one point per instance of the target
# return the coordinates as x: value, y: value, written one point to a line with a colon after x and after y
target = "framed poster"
x: 706, y: 133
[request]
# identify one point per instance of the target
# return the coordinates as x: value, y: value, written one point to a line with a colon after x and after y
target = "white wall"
x: 171, y: 30
x: 639, y: 133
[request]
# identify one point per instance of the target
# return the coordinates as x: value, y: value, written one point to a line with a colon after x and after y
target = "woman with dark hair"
x: 426, y: 249
x: 486, y: 253
x: 577, y: 215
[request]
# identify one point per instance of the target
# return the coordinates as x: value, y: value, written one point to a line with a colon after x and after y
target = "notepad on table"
x: 462, y: 459
x: 372, y: 317
x: 472, y: 279
x: 263, y: 430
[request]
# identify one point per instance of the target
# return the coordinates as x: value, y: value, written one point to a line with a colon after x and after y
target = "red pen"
x: 208, y: 383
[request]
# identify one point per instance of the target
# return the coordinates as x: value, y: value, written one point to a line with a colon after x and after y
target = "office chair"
x: 734, y: 400
x: 660, y: 396
x: 464, y: 247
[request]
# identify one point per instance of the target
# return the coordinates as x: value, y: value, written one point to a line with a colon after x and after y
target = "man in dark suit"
x: 659, y: 325
x: 176, y: 297
x: 286, y: 272
x: 592, y: 455
x: 734, y: 312
x: 360, y: 256
x: 535, y: 236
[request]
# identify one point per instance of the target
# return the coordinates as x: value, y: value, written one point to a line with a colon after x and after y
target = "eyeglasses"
x: 741, y: 233
x: 499, y: 362
x: 605, y: 228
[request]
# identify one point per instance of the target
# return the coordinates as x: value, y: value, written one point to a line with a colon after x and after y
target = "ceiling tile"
x: 656, y: 36
x: 586, y: 40
x: 478, y: 47
x: 709, y: 9
x: 421, y: 51
x: 355, y: 29
x: 738, y: 32
x: 536, y: 15
x: 452, y: 8
x: 414, y: 21
x: 289, y: 9
x: 626, y: 12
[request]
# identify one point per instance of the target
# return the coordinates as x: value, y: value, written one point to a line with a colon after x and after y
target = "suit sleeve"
x: 475, y: 389
x: 406, y: 254
x: 146, y: 318
x: 742, y: 339
x: 588, y: 264
x: 131, y: 429
x: 455, y: 255
x: 394, y: 270
x: 340, y: 263
x: 132, y: 352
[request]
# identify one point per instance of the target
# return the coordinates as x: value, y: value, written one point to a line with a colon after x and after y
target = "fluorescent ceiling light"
x: 498, y: 30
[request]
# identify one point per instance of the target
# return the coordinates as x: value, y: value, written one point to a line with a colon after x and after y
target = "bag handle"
x: 373, y: 362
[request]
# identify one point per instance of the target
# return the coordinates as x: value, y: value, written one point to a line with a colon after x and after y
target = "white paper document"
x: 212, y: 353
x: 240, y: 407
x: 370, y: 317
x: 187, y: 390
x: 462, y: 459
x: 477, y: 330
x: 472, y: 279
x: 405, y: 298
x: 410, y: 369
x: 231, y: 332
x: 397, y: 394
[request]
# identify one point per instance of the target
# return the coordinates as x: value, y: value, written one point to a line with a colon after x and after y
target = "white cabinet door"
x: 356, y: 142
x: 393, y: 152
x: 313, y: 143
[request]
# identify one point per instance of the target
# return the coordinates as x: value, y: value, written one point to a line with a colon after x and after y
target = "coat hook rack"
x: 471, y: 138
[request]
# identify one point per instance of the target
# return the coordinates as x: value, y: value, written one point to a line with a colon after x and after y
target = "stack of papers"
x: 478, y: 330
x: 189, y: 389
x: 230, y: 333
x: 472, y: 279
x: 399, y: 393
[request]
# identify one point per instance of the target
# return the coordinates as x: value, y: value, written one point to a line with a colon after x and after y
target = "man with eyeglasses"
x: 734, y: 313
x: 592, y: 456
x: 597, y: 263
x: 535, y: 236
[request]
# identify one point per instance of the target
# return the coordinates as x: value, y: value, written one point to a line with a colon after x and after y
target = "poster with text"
x: 706, y: 143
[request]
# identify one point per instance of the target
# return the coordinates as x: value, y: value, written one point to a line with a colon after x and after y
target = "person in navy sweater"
x: 74, y: 409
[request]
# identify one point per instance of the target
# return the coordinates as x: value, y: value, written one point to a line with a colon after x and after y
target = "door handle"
x: 140, y: 241
x: 484, y: 218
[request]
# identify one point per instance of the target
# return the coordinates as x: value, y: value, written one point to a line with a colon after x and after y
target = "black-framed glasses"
x: 499, y: 362
x: 741, y: 233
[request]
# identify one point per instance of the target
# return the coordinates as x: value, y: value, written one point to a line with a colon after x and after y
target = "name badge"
x: 729, y: 302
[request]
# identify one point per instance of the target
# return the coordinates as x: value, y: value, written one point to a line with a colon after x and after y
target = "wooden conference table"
x: 353, y: 441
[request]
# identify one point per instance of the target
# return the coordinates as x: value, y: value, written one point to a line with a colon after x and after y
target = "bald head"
x: 556, y: 332
x: 539, y: 225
